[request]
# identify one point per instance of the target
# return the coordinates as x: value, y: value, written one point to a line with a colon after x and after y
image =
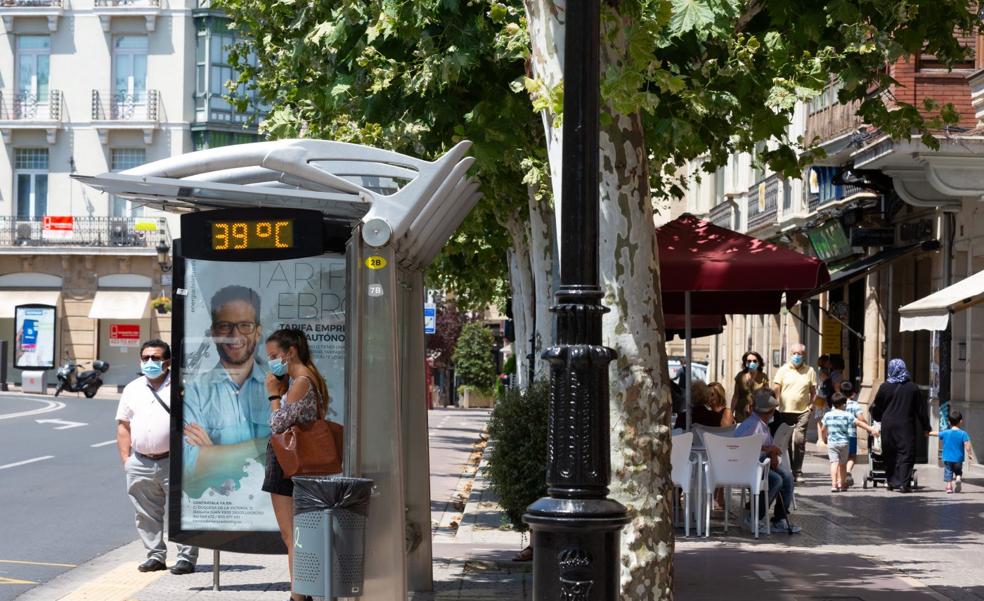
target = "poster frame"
x: 334, y: 238
x: 54, y: 340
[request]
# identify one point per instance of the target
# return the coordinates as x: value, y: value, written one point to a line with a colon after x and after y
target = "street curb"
x: 68, y: 582
x: 447, y: 531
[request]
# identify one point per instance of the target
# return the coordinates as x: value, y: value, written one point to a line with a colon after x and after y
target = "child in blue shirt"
x: 956, y: 444
x: 835, y: 429
x: 855, y: 408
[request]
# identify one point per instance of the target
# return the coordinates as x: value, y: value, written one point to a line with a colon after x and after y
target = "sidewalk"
x: 935, y: 550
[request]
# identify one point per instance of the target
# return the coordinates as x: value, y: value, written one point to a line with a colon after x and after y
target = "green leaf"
x: 689, y: 15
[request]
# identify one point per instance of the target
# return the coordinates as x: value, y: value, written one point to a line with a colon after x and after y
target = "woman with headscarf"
x: 904, y: 416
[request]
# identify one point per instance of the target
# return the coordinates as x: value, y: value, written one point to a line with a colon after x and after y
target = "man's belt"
x: 156, y: 457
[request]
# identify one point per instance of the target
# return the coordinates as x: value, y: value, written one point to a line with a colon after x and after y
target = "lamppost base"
x: 575, y: 548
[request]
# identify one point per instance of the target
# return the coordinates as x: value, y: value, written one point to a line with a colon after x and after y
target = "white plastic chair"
x: 683, y: 472
x: 700, y: 430
x: 781, y: 439
x: 734, y: 462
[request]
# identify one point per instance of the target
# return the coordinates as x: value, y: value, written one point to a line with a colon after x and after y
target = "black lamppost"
x: 576, y: 528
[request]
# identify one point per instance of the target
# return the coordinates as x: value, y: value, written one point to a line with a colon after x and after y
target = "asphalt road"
x: 62, y: 489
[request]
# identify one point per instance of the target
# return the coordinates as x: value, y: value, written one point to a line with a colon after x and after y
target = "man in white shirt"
x: 143, y: 436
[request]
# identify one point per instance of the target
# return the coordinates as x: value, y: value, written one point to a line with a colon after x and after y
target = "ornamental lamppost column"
x: 576, y: 527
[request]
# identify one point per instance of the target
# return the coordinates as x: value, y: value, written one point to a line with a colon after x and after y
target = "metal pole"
x: 688, y: 381
x: 215, y: 569
x: 576, y: 528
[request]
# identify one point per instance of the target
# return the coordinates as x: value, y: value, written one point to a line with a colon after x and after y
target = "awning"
x: 11, y: 298
x: 876, y: 261
x: 700, y: 325
x: 728, y: 272
x: 120, y: 304
x: 933, y: 312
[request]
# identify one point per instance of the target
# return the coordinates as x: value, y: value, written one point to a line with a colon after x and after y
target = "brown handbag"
x: 313, y: 449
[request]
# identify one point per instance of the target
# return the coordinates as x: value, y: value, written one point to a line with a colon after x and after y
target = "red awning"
x: 730, y: 273
x: 700, y: 325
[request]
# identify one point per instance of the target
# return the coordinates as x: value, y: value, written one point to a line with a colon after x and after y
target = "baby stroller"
x: 876, y: 466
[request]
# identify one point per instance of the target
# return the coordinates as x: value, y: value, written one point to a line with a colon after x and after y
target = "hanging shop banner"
x: 230, y: 310
x: 831, y: 336
x: 34, y: 337
x: 124, y: 335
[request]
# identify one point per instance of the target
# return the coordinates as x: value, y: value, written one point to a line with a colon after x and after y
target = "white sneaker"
x: 749, y: 525
x: 783, y: 525
x: 956, y: 486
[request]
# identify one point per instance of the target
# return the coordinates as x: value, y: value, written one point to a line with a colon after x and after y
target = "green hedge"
x: 517, y: 467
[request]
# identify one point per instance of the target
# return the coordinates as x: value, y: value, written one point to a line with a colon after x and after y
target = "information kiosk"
x: 330, y: 238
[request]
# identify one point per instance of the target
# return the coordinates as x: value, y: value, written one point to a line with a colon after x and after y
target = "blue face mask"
x: 797, y: 360
x: 277, y: 366
x: 753, y: 366
x: 152, y: 369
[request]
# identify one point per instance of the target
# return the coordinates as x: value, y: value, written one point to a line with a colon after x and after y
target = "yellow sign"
x: 375, y: 262
x: 831, y: 338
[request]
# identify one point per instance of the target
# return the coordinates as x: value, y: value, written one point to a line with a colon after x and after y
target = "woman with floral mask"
x: 751, y: 378
x: 298, y: 395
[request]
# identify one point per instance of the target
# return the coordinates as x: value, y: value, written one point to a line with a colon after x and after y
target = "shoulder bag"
x: 313, y: 449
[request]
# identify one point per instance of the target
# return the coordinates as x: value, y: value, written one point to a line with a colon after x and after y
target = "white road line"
x: 766, y: 575
x: 48, y: 408
x: 62, y: 423
x: 26, y: 461
x: 102, y: 444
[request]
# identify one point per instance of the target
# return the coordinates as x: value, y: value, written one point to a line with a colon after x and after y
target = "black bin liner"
x: 317, y: 493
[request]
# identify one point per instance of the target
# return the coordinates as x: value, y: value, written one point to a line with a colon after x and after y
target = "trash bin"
x: 330, y: 535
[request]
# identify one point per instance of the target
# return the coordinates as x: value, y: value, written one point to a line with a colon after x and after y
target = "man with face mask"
x: 795, y: 385
x: 226, y: 411
x: 143, y: 437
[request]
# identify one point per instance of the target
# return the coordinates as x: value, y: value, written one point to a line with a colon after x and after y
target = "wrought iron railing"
x: 723, y: 214
x: 125, y: 106
x: 29, y: 107
x: 760, y: 212
x: 121, y: 232
x: 832, y: 121
x: 31, y: 4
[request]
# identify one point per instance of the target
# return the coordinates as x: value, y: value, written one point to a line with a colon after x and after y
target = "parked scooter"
x: 87, y: 382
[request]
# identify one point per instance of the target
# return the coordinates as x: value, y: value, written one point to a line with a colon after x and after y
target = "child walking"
x: 956, y: 445
x: 853, y: 407
x: 835, y: 432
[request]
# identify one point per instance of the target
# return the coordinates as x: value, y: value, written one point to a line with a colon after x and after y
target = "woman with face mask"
x: 752, y: 377
x: 298, y: 395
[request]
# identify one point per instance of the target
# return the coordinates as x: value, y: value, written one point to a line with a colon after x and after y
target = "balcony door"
x: 129, y: 77
x: 31, y: 178
x: 31, y: 95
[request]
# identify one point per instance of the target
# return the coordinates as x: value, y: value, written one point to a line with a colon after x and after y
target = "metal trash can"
x: 330, y: 535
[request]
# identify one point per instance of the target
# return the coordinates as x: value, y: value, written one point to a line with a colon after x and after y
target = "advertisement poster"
x: 230, y: 310
x: 124, y: 335
x: 34, y: 337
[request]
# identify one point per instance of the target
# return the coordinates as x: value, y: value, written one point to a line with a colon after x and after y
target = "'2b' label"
x: 375, y: 262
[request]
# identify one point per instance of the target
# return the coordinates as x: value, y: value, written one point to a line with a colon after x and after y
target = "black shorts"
x: 274, y: 481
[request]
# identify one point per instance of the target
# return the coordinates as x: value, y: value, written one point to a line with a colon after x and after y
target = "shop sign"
x: 829, y: 241
x: 872, y: 236
x: 830, y: 340
x: 916, y: 231
x: 124, y: 335
x: 57, y: 227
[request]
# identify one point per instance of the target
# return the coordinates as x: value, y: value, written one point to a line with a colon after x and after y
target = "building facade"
x: 88, y: 87
x: 895, y: 220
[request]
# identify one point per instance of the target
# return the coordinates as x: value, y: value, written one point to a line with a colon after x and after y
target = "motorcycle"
x: 87, y: 382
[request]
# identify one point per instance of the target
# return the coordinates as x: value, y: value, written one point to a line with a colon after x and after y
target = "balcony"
x: 114, y: 111
x: 91, y: 235
x: 47, y: 9
x: 832, y: 122
x: 107, y: 9
x: 725, y: 214
x: 25, y: 111
x: 763, y: 203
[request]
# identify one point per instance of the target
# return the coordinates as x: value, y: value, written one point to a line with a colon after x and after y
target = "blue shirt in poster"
x: 953, y: 444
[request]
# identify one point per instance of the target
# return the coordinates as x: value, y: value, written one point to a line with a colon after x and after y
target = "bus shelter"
x: 330, y: 238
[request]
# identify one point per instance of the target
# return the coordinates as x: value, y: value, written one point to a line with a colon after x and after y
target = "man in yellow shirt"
x: 795, y: 385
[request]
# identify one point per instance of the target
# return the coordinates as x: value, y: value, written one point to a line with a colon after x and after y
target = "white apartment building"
x: 88, y: 86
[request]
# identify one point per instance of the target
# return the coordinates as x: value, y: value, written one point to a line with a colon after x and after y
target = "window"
x: 213, y: 71
x: 130, y: 69
x: 214, y: 139
x: 31, y: 178
x: 33, y: 54
x: 121, y: 160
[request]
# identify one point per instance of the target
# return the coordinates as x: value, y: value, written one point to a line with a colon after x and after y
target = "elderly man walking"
x: 795, y: 385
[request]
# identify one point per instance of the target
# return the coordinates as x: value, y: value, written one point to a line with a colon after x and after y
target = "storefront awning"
x: 120, y: 304
x: 876, y: 261
x: 933, y: 312
x: 11, y: 298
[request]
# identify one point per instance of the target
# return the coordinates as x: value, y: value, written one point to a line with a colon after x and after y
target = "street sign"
x: 430, y: 318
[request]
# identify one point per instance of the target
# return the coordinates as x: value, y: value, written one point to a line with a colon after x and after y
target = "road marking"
x: 25, y: 462
x: 39, y: 563
x: 103, y: 444
x: 119, y: 584
x: 65, y: 424
x: 766, y: 575
x: 15, y: 581
x: 49, y: 406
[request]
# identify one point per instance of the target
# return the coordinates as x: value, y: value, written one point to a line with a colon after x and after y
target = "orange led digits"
x: 250, y: 235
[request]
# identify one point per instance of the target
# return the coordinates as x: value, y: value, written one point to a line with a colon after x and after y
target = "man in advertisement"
x: 226, y: 412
